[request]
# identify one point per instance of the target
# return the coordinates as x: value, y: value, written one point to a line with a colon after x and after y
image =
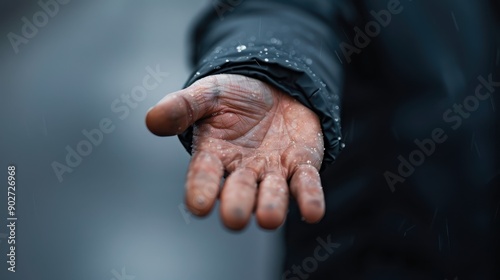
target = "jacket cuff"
x: 288, y: 73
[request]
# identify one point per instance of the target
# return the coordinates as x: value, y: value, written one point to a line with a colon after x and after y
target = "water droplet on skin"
x: 308, y: 162
x: 219, y: 147
x: 241, y: 48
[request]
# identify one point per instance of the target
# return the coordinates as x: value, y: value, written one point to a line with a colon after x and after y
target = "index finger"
x: 202, y: 182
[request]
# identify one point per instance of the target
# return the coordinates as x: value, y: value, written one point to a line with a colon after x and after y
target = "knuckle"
x: 212, y: 85
x: 305, y: 171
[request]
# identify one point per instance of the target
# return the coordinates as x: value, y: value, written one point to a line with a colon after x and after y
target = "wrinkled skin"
x: 267, y: 143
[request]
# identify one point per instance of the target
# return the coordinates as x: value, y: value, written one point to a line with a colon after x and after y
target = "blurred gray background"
x: 119, y: 214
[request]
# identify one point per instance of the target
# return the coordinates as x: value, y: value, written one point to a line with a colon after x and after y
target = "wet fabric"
x: 411, y: 89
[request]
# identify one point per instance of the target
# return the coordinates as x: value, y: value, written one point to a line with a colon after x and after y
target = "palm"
x: 260, y: 136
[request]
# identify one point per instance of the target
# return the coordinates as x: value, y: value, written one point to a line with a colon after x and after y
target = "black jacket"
x: 415, y: 193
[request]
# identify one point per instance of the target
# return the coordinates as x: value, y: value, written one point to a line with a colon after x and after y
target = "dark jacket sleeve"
x: 289, y: 44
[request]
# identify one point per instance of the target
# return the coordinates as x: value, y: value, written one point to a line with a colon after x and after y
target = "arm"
x: 252, y: 127
x: 300, y: 31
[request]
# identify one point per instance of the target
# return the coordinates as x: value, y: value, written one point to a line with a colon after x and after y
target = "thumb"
x: 179, y: 110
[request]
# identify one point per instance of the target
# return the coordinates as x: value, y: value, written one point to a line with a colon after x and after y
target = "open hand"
x: 267, y: 143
